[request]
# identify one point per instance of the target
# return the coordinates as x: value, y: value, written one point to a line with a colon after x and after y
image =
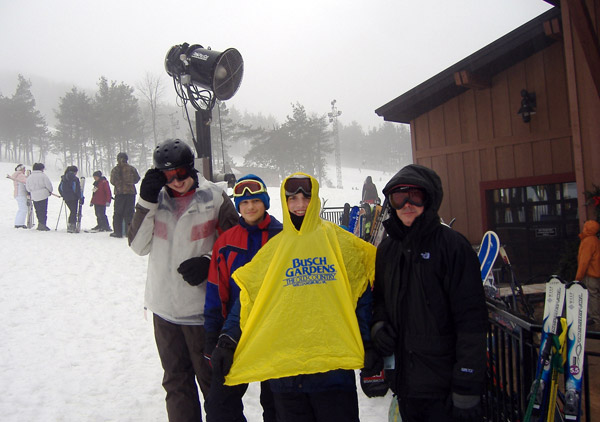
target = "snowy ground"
x: 74, y: 341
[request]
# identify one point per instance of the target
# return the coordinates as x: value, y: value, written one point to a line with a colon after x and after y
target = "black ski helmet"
x: 171, y: 154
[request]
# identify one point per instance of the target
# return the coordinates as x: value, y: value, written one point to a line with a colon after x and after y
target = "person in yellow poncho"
x: 304, y: 311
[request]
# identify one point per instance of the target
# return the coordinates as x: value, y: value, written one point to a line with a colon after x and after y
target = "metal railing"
x: 512, y: 353
x: 333, y: 214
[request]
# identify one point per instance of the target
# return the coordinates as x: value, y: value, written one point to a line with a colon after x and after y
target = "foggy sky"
x: 361, y: 53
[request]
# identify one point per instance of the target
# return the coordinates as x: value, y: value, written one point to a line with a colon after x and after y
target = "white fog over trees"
x: 88, y: 129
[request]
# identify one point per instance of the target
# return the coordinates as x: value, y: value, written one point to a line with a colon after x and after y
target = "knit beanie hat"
x: 263, y: 196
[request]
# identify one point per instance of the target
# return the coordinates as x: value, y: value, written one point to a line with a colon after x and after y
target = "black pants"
x: 323, y: 406
x: 72, y: 210
x: 123, y: 213
x: 180, y: 348
x: 224, y: 402
x: 41, y: 211
x: 425, y: 410
x: 101, y: 218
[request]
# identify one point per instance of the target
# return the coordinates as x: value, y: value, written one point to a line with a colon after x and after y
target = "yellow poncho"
x: 298, y: 298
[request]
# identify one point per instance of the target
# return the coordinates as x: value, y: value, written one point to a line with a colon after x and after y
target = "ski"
x: 559, y: 358
x: 553, y: 308
x: 30, y: 210
x: 378, y: 230
x: 577, y: 301
x: 80, y: 205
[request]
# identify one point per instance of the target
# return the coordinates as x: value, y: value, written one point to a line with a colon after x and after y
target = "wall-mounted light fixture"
x: 528, y: 105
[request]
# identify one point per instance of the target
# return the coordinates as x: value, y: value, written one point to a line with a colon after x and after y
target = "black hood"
x: 415, y: 174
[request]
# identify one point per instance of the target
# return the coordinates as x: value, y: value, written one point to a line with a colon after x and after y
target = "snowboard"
x: 354, y: 214
x: 488, y: 251
x: 577, y: 300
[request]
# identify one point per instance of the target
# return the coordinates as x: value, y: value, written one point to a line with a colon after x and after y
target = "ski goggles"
x: 251, y: 186
x: 294, y: 185
x: 413, y: 195
x: 179, y: 173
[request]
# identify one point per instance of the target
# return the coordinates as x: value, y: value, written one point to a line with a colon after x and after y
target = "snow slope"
x: 74, y: 341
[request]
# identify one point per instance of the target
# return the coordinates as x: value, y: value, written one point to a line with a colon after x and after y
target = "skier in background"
x: 19, y: 179
x: 429, y: 306
x: 70, y: 190
x: 304, y: 310
x: 233, y: 249
x: 123, y: 177
x: 588, y: 268
x: 40, y: 188
x: 177, y: 219
x: 369, y: 192
x: 101, y: 197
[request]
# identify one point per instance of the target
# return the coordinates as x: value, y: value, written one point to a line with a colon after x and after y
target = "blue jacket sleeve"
x: 364, y: 308
x: 232, y: 323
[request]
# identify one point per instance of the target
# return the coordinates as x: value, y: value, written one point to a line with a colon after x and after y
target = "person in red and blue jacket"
x: 234, y: 248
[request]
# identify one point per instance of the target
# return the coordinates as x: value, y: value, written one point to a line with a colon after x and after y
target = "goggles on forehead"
x: 295, y: 185
x: 251, y: 186
x: 413, y: 196
x: 180, y: 173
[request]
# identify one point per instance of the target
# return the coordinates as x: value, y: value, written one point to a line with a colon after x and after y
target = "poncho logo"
x: 309, y: 271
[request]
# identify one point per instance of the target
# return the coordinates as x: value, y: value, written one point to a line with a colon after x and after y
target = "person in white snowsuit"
x: 19, y: 179
x: 177, y: 220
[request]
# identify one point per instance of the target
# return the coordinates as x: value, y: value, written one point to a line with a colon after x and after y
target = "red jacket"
x: 101, y: 195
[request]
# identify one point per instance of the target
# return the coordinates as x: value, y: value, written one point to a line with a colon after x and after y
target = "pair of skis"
x: 542, y: 400
x: 80, y: 205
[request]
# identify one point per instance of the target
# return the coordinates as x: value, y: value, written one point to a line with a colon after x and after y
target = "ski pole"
x: 59, y: 213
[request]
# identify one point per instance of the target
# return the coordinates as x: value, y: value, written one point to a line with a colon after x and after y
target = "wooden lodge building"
x: 514, y: 133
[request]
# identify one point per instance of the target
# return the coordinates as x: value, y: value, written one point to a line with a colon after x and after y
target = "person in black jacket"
x: 70, y: 190
x: 429, y: 305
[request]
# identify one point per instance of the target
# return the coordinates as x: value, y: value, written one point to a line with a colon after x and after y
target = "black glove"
x: 372, y: 379
x: 466, y: 408
x: 194, y: 270
x: 210, y: 342
x: 152, y: 183
x: 384, y: 338
x: 222, y: 357
x: 373, y: 360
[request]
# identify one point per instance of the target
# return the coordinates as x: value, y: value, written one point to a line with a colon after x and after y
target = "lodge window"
x: 534, y: 222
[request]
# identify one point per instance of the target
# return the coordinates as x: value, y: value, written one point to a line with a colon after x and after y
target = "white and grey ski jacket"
x: 39, y: 185
x: 172, y: 231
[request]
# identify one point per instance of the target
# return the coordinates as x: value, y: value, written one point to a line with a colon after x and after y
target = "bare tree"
x: 151, y: 88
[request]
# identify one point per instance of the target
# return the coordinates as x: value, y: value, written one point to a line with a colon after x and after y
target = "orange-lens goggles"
x: 295, y: 185
x: 180, y: 173
x: 252, y: 186
x: 415, y: 197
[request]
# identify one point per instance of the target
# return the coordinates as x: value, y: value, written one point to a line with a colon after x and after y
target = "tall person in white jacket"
x: 177, y: 220
x: 40, y: 188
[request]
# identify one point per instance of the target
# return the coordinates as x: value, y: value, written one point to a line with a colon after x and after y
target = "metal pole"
x: 338, y: 154
x: 59, y: 213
